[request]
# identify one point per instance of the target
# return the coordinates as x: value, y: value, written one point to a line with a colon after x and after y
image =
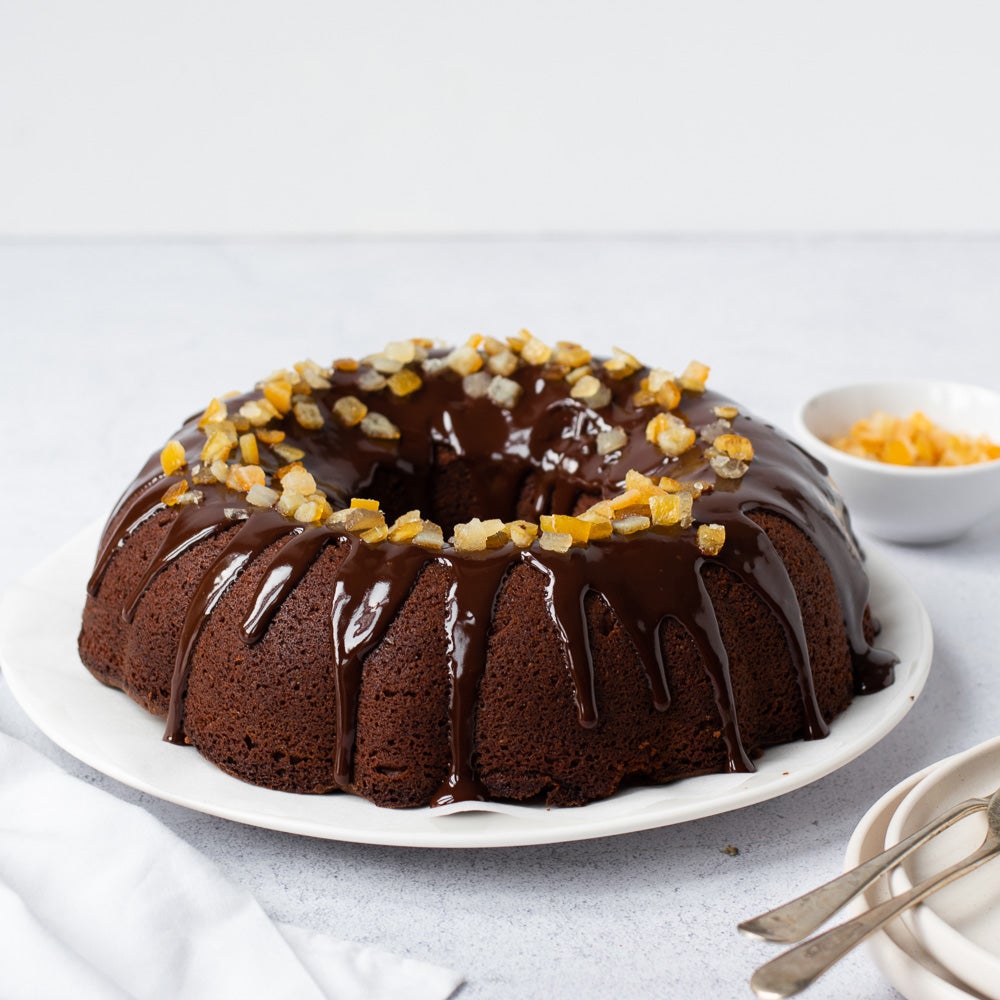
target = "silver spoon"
x: 797, y: 968
x: 798, y: 918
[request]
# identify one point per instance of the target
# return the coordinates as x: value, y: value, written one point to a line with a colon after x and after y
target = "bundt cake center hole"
x: 456, y: 489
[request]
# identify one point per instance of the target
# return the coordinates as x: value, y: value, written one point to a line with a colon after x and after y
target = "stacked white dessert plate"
x: 948, y: 947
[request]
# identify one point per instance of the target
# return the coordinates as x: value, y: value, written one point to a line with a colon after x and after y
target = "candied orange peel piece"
x: 377, y: 425
x: 568, y: 353
x: 663, y: 385
x: 621, y: 364
x: 249, y: 451
x: 242, y: 477
x: 350, y: 411
x: 631, y: 524
x: 610, y: 441
x: 464, y: 360
x: 270, y: 436
x: 262, y: 496
x: 288, y: 452
x: 357, y: 519
x: 556, y: 541
x: 402, y: 383
x: 297, y: 479
x: 734, y: 446
x: 667, y: 509
x: 259, y: 412
x: 577, y: 528
x: 670, y: 434
x: 694, y: 377
x: 711, y: 538
x: 172, y: 457
x: 279, y: 394
x: 522, y: 533
x: 174, y: 493
x: 217, y: 448
x: 477, y: 535
x: 214, y: 412
x: 535, y: 351
x: 375, y: 535
x: 308, y: 415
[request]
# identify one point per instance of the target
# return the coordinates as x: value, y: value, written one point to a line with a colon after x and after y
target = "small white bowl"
x: 905, y: 503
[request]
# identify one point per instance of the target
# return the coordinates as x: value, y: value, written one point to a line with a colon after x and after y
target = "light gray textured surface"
x: 107, y: 346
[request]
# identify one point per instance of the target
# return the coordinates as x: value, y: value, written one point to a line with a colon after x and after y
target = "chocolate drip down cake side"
x: 507, y: 571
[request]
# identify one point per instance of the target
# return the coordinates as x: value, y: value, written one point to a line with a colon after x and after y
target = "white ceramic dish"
x: 902, y: 503
x: 960, y: 924
x: 39, y: 622
x: 898, y: 955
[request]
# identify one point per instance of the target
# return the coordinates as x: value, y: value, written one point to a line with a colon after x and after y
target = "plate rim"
x: 60, y: 579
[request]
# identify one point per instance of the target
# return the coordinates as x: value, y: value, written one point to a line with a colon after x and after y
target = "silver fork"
x: 797, y: 968
x: 798, y: 918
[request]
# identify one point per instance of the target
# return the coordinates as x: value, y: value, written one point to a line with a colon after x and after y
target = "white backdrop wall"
x: 122, y: 117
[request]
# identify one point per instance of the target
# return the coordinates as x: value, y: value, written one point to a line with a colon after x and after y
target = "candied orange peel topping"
x: 913, y: 441
x: 172, y: 457
x: 174, y: 493
x: 243, y: 438
x: 711, y: 538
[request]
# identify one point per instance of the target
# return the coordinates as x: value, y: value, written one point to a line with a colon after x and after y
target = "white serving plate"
x: 40, y: 619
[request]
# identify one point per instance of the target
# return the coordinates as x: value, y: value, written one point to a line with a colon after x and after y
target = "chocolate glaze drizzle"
x: 537, y: 458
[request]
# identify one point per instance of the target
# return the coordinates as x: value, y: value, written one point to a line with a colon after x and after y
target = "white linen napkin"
x: 100, y: 901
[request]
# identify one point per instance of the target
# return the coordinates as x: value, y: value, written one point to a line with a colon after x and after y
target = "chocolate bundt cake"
x: 501, y: 571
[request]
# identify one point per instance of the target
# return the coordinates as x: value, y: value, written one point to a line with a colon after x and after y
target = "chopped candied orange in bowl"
x: 912, y: 479
x: 913, y: 441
